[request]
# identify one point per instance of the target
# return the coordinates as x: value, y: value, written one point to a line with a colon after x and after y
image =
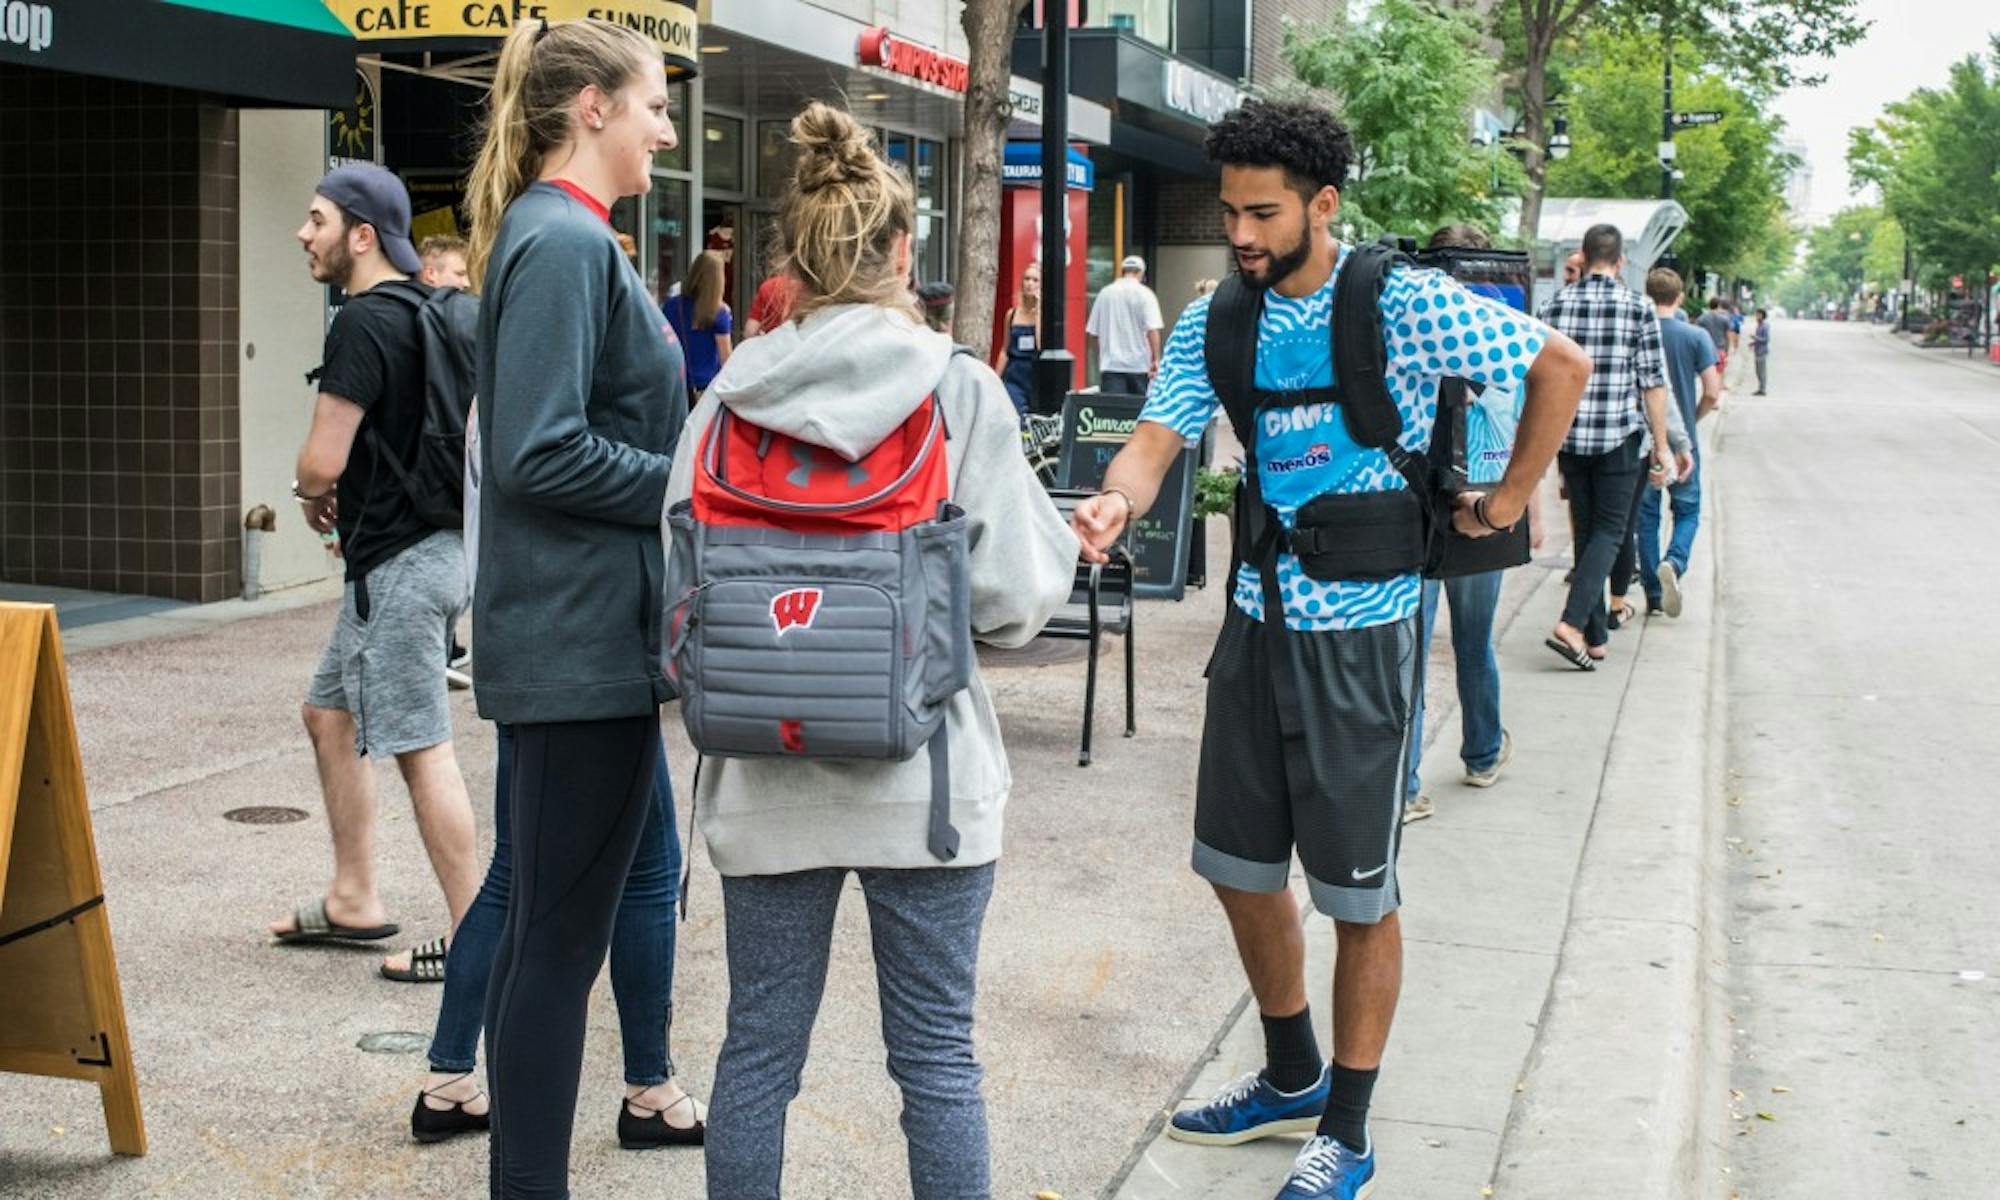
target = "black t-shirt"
x: 375, y: 358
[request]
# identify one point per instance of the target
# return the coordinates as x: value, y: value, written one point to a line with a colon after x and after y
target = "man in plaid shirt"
x: 1600, y: 463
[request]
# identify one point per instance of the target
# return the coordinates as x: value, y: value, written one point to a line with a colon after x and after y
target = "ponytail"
x: 541, y: 69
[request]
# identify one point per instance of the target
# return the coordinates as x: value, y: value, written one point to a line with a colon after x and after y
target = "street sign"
x: 1696, y: 118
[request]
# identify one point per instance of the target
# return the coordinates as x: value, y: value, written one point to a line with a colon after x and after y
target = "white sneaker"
x: 1491, y: 775
x: 1670, y: 588
x: 457, y: 680
x: 1418, y: 807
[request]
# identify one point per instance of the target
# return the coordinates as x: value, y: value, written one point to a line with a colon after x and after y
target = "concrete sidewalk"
x: 1106, y: 967
x: 1549, y: 1042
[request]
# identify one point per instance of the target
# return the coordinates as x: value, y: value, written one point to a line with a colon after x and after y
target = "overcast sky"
x: 1911, y: 44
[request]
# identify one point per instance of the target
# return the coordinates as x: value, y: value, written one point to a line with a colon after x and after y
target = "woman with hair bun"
x: 582, y: 395
x: 851, y: 367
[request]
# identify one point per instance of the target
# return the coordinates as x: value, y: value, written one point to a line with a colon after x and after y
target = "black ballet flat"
x: 430, y: 1125
x: 651, y: 1132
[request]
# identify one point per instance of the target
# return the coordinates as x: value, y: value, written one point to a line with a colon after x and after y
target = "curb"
x: 1948, y: 356
x: 1621, y: 1072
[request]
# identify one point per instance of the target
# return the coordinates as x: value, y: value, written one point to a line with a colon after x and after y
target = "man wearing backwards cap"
x: 1124, y: 329
x: 380, y: 688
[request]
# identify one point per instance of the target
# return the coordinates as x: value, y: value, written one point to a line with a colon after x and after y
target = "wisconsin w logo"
x: 794, y: 609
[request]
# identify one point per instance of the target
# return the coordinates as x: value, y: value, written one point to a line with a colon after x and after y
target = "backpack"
x: 821, y: 608
x: 448, y: 328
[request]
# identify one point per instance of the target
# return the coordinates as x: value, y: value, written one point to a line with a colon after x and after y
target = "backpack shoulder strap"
x: 1360, y: 360
x: 1229, y: 351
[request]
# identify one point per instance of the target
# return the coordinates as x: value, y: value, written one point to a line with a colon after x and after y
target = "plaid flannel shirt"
x: 1621, y: 333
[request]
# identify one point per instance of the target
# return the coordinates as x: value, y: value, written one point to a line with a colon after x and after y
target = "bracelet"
x: 1131, y: 509
x: 302, y: 497
x: 1479, y: 511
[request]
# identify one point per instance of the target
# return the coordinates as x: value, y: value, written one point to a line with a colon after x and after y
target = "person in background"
x: 1203, y: 287
x: 786, y: 834
x: 1760, y: 345
x: 444, y: 262
x: 772, y: 305
x: 1601, y: 464
x: 1484, y: 744
x: 582, y: 396
x: 935, y: 299
x: 1124, y: 329
x: 1715, y: 323
x: 1694, y: 370
x: 700, y: 319
x: 1015, y: 359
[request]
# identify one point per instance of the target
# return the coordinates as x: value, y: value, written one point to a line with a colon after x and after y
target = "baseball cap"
x: 935, y: 295
x: 1132, y: 263
x: 372, y: 195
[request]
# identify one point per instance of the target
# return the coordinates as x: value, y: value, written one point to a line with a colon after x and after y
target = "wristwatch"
x: 302, y: 497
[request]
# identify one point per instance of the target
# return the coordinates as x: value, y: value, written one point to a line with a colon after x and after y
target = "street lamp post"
x: 1054, y: 367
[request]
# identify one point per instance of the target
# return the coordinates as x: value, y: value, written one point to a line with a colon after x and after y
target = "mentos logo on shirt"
x: 1318, y: 455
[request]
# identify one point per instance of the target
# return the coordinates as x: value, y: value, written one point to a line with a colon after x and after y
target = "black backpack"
x: 448, y: 327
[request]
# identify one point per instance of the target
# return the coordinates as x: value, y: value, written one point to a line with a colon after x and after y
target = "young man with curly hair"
x: 1307, y: 724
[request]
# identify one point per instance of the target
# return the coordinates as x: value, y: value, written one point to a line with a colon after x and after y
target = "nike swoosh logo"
x: 1361, y: 875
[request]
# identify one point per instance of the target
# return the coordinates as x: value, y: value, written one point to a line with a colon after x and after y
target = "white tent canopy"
x: 1649, y: 226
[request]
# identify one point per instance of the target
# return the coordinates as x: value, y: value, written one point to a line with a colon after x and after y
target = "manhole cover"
x: 264, y: 814
x: 395, y: 1042
x: 1042, y: 652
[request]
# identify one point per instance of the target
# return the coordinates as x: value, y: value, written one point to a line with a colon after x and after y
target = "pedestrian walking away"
x: 582, y: 395
x: 1760, y: 345
x: 1716, y: 324
x: 856, y: 377
x: 379, y: 691
x: 1311, y: 690
x: 1625, y: 566
x: 1124, y: 328
x: 1694, y: 371
x: 1600, y: 460
x: 1015, y: 360
x: 701, y: 320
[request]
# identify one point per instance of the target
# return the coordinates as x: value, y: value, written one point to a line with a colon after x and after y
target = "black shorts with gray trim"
x: 1354, y: 691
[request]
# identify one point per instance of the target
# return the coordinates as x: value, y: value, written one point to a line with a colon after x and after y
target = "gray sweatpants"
x: 925, y: 928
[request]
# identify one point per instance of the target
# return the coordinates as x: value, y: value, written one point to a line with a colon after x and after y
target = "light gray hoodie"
x: 845, y: 378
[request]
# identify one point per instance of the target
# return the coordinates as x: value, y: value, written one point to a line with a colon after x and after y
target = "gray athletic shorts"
x: 388, y: 671
x: 1339, y: 798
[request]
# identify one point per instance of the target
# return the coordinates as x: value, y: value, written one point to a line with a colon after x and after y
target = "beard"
x: 1280, y: 264
x: 336, y: 266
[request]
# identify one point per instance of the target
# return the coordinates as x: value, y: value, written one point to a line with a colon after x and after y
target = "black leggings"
x: 582, y: 791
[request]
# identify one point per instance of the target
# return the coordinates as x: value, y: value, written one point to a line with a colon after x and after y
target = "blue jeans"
x: 1473, y: 599
x: 642, y: 940
x: 1685, y: 500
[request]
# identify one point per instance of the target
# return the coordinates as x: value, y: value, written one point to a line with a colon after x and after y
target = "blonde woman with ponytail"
x: 852, y: 365
x: 582, y: 395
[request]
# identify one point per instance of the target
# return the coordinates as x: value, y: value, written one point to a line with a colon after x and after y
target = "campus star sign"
x: 669, y: 25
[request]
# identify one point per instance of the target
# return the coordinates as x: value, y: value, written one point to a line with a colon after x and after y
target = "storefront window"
x: 774, y: 158
x: 929, y: 257
x: 1152, y: 20
x: 670, y: 248
x: 722, y: 149
x: 897, y: 147
x: 930, y: 174
x: 676, y: 159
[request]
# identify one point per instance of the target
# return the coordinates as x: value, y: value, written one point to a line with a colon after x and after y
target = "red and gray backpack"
x: 821, y: 608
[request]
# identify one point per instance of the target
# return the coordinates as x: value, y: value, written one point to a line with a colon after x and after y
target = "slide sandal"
x: 1579, y: 659
x: 315, y: 927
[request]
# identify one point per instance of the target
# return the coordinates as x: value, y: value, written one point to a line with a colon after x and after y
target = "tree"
x: 1754, y: 42
x: 1406, y: 77
x: 989, y: 32
x: 1936, y: 158
x: 1734, y: 170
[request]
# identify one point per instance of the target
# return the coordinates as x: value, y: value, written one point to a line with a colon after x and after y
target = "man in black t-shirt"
x: 380, y: 688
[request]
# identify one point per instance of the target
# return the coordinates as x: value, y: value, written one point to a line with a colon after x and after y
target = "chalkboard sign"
x: 1095, y: 428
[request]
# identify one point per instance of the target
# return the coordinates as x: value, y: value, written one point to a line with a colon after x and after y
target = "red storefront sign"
x: 881, y: 48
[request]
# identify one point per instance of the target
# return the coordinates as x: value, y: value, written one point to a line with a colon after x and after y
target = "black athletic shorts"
x: 1338, y: 795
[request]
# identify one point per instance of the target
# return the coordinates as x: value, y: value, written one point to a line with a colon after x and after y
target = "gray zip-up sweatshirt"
x: 844, y: 378
x: 582, y: 395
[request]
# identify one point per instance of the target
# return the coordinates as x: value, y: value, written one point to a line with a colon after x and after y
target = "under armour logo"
x: 804, y: 456
x: 794, y: 609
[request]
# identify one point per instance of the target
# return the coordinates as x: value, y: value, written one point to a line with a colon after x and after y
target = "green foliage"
x: 1936, y: 158
x: 1215, y: 490
x: 1734, y: 171
x: 1756, y: 44
x: 1407, y: 77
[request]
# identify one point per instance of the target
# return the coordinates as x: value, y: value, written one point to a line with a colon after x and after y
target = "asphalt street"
x: 1862, y: 1000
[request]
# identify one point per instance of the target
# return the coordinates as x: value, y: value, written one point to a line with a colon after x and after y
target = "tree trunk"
x: 1534, y: 130
x: 989, y: 28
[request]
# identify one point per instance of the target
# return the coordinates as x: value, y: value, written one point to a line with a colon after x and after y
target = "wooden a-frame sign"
x: 61, y: 1012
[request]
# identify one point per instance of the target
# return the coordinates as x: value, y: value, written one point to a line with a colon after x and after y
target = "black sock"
x: 1291, y: 1053
x: 1346, y: 1115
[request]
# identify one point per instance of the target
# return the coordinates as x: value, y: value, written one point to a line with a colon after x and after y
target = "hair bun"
x: 833, y: 150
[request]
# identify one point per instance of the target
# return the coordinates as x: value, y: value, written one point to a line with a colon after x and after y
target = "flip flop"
x: 426, y: 964
x: 1579, y: 659
x: 315, y: 927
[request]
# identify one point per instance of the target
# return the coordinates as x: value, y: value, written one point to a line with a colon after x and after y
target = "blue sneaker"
x: 1250, y: 1109
x: 1327, y: 1170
